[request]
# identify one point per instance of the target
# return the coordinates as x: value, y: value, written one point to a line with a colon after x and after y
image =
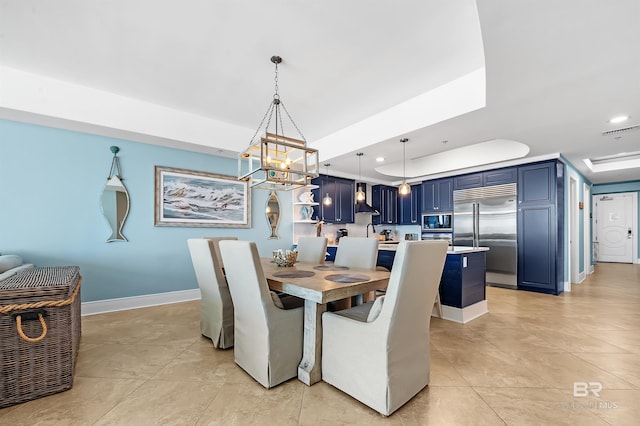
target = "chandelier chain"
x: 276, y: 95
x: 293, y: 122
x: 267, y: 113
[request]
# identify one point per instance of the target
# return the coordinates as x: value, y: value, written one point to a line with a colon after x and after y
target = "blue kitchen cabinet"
x: 500, y: 176
x: 541, y: 227
x: 437, y: 196
x: 385, y: 258
x: 463, y: 281
x: 385, y: 200
x: 342, y: 193
x: 331, y: 253
x: 488, y: 178
x: 410, y: 206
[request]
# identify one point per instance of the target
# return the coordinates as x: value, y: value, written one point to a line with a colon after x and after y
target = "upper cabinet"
x: 410, y: 206
x: 437, y: 196
x: 385, y: 200
x: 342, y: 193
x: 489, y: 178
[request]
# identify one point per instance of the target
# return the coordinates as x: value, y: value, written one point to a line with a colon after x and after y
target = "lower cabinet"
x: 331, y: 253
x: 385, y: 258
x: 463, y: 280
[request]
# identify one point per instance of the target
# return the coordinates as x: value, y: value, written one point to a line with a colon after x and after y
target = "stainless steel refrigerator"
x: 486, y: 217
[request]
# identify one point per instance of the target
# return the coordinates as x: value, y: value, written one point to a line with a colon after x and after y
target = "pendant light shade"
x: 404, y: 188
x: 327, y: 201
x: 360, y: 195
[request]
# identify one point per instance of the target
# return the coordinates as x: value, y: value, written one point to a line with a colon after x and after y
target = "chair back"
x: 356, y: 252
x: 216, y: 247
x: 216, y: 318
x: 268, y: 340
x: 247, y: 284
x: 411, y: 293
x: 312, y: 249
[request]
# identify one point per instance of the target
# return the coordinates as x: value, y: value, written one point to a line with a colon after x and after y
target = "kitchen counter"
x: 452, y: 250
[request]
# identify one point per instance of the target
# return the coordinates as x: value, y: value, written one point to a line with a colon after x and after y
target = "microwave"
x: 437, y: 222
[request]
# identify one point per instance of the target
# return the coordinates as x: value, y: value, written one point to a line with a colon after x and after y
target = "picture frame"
x: 200, y: 199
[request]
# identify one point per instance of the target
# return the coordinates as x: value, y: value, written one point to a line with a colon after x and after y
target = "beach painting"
x: 192, y: 198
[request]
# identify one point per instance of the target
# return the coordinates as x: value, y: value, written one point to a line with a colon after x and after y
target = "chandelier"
x: 274, y: 161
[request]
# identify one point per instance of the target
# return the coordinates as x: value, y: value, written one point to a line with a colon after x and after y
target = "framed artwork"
x: 191, y: 198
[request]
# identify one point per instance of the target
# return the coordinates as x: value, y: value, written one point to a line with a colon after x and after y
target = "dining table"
x: 318, y: 285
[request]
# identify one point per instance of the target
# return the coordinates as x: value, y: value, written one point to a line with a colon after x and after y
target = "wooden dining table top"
x: 319, y: 287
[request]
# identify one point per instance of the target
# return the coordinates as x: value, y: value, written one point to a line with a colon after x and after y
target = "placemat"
x: 330, y: 268
x: 347, y: 278
x: 293, y: 274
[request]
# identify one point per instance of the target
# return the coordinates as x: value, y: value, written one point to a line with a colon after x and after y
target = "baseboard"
x: 466, y: 314
x: 567, y: 286
x: 581, y: 277
x: 135, y: 302
x: 592, y: 269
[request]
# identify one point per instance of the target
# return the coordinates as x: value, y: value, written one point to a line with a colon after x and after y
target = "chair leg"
x: 438, y: 305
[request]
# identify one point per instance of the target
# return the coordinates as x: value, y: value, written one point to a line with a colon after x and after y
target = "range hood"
x: 362, y: 206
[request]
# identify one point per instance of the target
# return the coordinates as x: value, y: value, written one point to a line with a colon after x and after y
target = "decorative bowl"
x: 287, y: 258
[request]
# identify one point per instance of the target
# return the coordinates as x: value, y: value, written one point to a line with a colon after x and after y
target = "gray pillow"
x: 9, y: 261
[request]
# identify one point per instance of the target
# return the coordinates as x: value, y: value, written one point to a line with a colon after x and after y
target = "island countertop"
x: 451, y: 250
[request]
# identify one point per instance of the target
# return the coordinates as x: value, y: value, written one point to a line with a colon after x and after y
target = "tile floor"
x: 514, y: 366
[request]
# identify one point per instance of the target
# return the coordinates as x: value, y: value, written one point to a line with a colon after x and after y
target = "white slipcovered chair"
x: 311, y: 249
x: 378, y: 352
x: 216, y: 307
x: 359, y: 253
x: 268, y: 339
x: 356, y: 252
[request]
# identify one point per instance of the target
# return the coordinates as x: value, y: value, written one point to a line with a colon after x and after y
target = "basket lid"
x: 48, y: 281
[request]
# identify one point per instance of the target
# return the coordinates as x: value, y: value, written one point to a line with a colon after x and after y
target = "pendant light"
x: 404, y: 188
x: 275, y: 161
x: 360, y: 195
x: 327, y: 201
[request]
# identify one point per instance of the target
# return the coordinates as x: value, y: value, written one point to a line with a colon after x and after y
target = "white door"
x: 614, y: 228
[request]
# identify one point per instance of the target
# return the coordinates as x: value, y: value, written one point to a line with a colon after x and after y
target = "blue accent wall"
x: 51, y: 181
x: 570, y: 170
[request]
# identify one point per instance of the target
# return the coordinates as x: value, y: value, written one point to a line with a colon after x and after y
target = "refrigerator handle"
x: 476, y: 226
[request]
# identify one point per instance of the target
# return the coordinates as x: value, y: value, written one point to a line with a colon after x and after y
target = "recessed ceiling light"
x: 619, y: 119
x: 379, y: 159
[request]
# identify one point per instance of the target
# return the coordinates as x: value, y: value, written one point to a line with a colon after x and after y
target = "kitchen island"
x: 463, y: 283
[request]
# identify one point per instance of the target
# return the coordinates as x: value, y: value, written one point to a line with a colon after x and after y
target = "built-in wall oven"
x: 448, y: 236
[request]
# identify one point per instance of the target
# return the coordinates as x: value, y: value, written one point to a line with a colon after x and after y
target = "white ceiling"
x: 196, y: 75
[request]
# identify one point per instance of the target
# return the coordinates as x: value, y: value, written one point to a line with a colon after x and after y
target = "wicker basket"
x: 42, y: 364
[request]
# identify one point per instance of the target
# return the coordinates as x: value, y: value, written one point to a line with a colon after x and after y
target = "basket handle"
x: 41, y: 313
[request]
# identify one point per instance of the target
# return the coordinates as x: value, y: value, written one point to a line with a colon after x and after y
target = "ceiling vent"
x: 620, y: 130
